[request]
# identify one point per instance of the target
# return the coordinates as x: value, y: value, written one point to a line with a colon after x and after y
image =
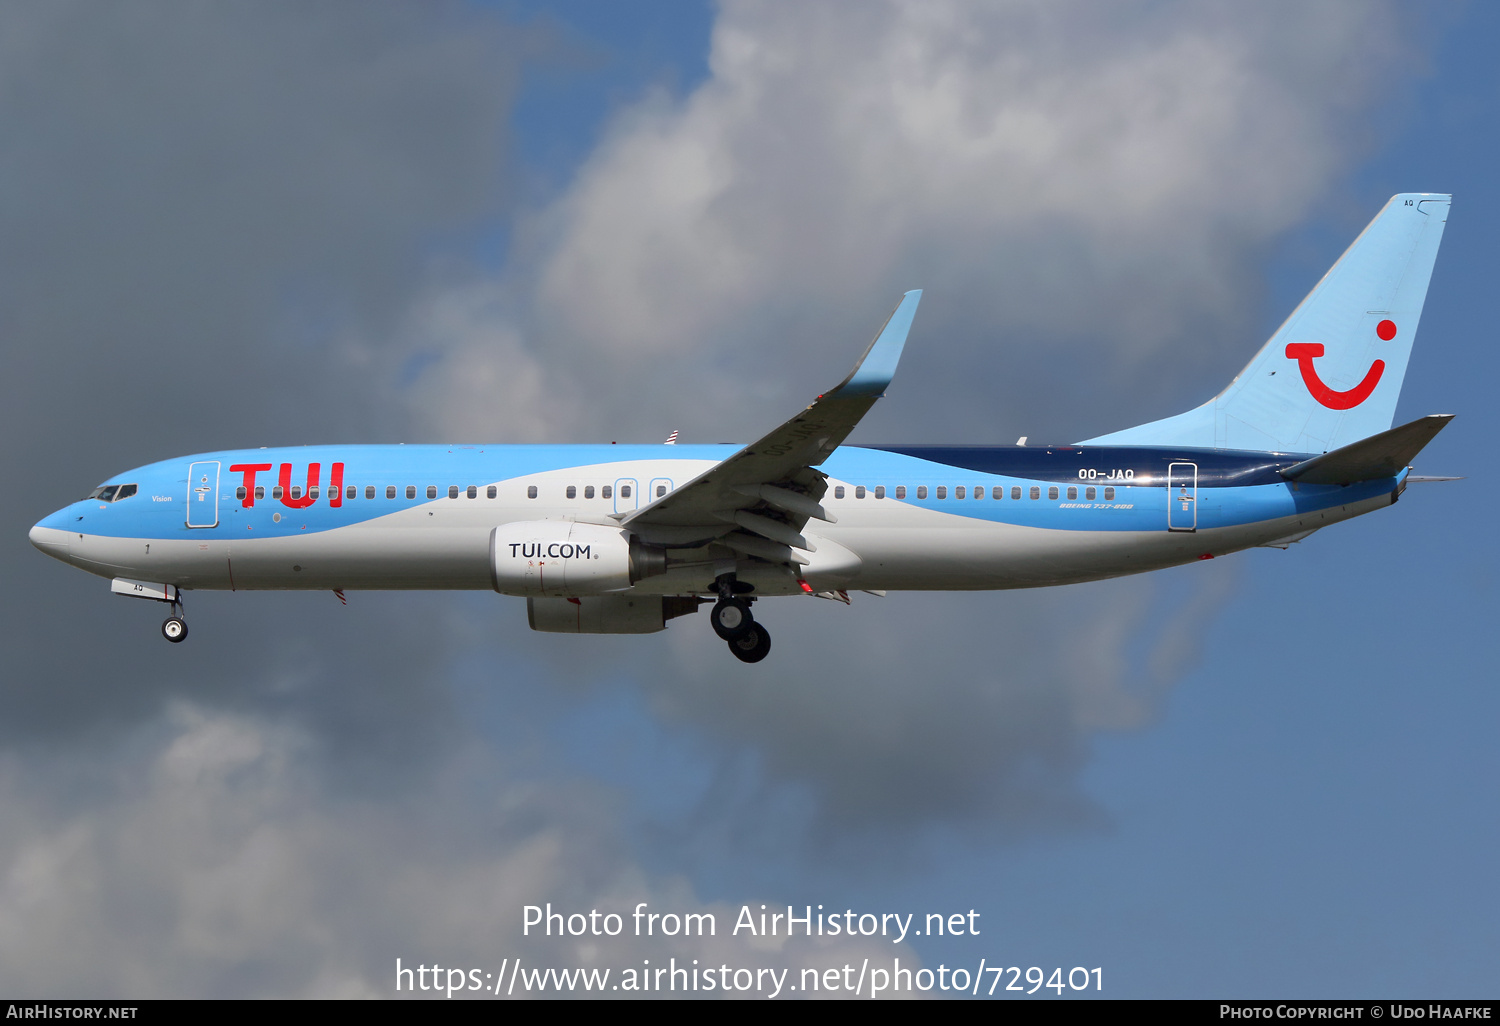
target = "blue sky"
x: 1273, y: 775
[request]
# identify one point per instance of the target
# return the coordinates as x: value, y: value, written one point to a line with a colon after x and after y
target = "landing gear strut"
x: 732, y: 621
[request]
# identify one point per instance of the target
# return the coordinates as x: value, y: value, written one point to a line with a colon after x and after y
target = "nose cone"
x: 50, y: 537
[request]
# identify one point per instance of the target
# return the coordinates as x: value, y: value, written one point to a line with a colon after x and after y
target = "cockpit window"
x: 112, y: 493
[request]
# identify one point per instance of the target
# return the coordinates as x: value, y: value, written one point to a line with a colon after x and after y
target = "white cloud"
x: 1060, y: 171
x: 209, y: 858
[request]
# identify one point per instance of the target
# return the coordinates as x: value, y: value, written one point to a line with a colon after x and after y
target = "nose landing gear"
x: 174, y: 627
x: 732, y: 621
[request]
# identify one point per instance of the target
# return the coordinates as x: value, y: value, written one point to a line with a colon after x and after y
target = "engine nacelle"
x: 561, y: 558
x: 608, y: 614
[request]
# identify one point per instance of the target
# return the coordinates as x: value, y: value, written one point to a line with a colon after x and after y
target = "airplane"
x: 620, y: 539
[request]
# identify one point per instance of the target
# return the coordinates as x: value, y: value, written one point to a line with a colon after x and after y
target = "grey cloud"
x: 205, y: 210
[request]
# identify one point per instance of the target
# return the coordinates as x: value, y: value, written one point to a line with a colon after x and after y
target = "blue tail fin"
x: 1332, y: 373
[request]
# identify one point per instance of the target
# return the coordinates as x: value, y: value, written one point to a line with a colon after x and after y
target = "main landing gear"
x: 749, y: 641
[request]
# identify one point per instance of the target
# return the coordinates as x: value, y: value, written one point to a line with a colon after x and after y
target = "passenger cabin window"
x: 607, y: 492
x: 572, y: 491
x: 942, y: 491
x: 958, y: 492
x: 1036, y: 492
x: 1090, y: 492
x: 979, y: 491
x: 661, y: 490
x: 260, y: 491
x: 352, y: 491
x: 997, y: 492
x: 921, y: 491
x: 390, y: 491
x: 432, y: 491
x: 901, y: 491
x: 411, y: 491
x: 531, y: 491
x: 490, y: 491
x: 859, y: 491
x: 472, y: 492
x: 312, y: 493
x: 588, y: 491
x: 296, y: 491
x: 838, y: 491
x: 453, y: 491
x: 880, y: 491
x: 1109, y: 495
x: 240, y: 493
x: 1015, y: 491
x: 1072, y: 493
x: 624, y: 491
x: 1052, y: 492
x: 369, y: 491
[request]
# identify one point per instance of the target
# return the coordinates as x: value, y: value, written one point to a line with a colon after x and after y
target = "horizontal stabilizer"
x: 1369, y: 459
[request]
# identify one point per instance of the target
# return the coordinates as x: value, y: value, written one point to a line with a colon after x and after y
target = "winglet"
x: 875, y: 369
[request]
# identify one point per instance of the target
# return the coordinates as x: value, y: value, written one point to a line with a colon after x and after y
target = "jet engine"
x: 561, y: 558
x: 607, y: 614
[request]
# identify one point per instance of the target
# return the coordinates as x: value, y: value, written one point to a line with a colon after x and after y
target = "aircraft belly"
x: 349, y: 557
x: 200, y: 561
x: 980, y: 554
x: 993, y: 555
x: 368, y: 557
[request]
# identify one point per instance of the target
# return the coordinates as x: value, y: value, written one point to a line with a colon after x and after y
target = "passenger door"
x: 203, y: 494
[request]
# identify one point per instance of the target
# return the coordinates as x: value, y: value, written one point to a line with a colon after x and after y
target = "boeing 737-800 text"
x: 621, y: 538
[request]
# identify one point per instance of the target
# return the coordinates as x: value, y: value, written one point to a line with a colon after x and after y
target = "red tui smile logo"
x: 1305, y: 352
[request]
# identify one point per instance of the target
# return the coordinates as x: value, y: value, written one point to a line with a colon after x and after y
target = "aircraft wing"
x: 757, y: 501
